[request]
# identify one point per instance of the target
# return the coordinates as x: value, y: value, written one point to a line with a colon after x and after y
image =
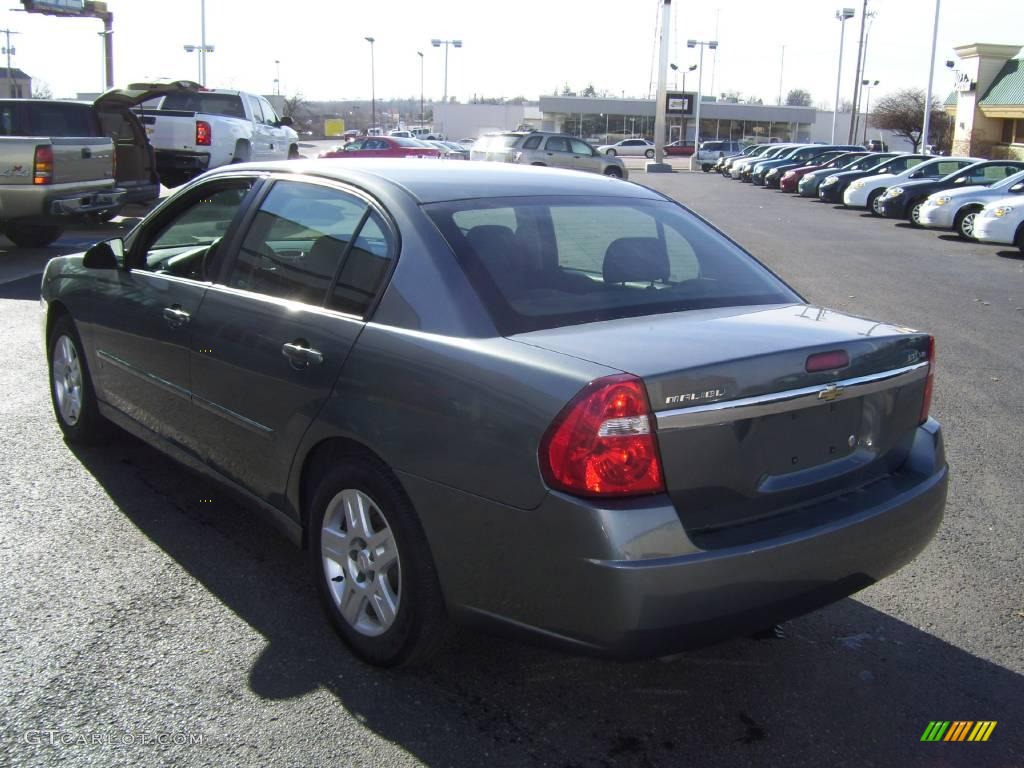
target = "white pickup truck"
x: 194, y: 129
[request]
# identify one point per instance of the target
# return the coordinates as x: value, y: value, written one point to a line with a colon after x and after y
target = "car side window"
x: 352, y: 146
x: 296, y: 242
x: 376, y: 144
x: 532, y: 142
x: 269, y: 115
x: 557, y: 144
x: 257, y: 110
x: 186, y: 243
x: 366, y: 265
x: 580, y: 147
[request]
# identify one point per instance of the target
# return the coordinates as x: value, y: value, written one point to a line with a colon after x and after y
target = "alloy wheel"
x: 360, y: 562
x: 915, y: 213
x: 967, y: 225
x: 67, y: 380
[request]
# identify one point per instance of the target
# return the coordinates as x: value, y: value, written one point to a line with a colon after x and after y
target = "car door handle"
x: 301, y: 355
x: 86, y: 153
x: 176, y: 316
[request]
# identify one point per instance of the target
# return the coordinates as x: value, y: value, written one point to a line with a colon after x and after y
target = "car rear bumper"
x: 71, y: 206
x: 623, y: 579
x: 178, y: 161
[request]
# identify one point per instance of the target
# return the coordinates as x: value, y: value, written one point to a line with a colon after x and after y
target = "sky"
x: 520, y: 48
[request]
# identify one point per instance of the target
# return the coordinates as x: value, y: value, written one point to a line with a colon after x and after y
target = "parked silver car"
x: 557, y: 150
x: 957, y: 209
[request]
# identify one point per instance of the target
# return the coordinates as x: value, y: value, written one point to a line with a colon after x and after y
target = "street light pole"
x: 373, y: 87
x: 782, y: 64
x: 202, y: 42
x: 437, y: 43
x: 713, y: 45
x: 928, y: 94
x: 423, y: 116
x: 277, y: 80
x: 842, y: 15
x: 10, y: 52
x: 867, y: 85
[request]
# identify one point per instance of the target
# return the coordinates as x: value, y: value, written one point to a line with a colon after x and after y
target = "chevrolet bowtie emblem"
x: 830, y: 393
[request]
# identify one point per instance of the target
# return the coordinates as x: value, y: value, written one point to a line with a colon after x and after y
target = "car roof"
x: 429, y: 181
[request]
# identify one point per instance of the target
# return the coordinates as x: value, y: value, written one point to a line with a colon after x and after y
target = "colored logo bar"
x: 958, y: 730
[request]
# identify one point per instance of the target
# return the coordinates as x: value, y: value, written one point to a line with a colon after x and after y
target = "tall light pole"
x: 437, y: 43
x: 928, y: 93
x: 277, y: 80
x: 782, y: 64
x: 713, y: 45
x: 860, y: 73
x: 842, y: 15
x: 202, y: 42
x: 423, y: 115
x: 9, y: 50
x: 201, y: 50
x: 373, y: 87
x: 867, y: 85
x: 857, y: 73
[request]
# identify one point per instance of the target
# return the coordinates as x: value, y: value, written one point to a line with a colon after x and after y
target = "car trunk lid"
x: 745, y: 430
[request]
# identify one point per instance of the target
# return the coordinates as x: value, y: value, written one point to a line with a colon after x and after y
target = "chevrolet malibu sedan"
x: 957, y: 209
x: 906, y: 200
x: 1001, y: 222
x: 542, y: 402
x: 629, y: 148
x: 867, y: 192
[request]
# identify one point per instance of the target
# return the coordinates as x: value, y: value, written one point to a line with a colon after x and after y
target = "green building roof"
x: 1008, y: 87
x: 951, y: 100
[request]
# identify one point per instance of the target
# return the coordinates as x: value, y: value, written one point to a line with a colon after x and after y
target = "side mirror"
x: 286, y: 121
x: 108, y: 254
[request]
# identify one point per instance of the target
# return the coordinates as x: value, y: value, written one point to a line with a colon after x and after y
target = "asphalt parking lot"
x: 147, y: 619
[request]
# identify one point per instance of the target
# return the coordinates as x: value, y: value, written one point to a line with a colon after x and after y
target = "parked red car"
x: 680, y: 147
x: 790, y: 180
x: 383, y: 146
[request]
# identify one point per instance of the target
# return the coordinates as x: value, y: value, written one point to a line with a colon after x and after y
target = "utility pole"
x: 928, y: 94
x: 10, y: 52
x: 660, y: 104
x: 782, y: 64
x: 857, y: 76
x: 91, y: 9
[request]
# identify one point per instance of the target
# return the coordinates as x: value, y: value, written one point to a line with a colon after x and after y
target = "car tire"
x: 32, y: 235
x: 391, y: 615
x: 541, y: 165
x: 963, y: 225
x: 1020, y: 239
x: 914, y: 212
x: 706, y: 168
x: 614, y: 172
x: 649, y: 154
x: 293, y: 152
x: 873, y: 198
x: 610, y: 152
x: 71, y: 390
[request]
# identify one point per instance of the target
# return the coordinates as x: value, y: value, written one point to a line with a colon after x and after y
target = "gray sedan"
x: 546, y: 403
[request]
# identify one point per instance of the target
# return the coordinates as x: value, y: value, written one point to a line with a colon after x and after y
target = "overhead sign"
x: 679, y: 103
x: 963, y: 82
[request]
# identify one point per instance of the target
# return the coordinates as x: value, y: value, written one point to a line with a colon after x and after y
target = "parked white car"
x: 629, y: 148
x: 194, y: 130
x: 957, y: 209
x: 1002, y: 222
x: 867, y: 192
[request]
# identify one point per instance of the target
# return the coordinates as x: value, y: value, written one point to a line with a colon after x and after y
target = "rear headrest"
x: 635, y: 260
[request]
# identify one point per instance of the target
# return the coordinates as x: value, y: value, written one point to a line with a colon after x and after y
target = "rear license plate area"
x: 798, y: 440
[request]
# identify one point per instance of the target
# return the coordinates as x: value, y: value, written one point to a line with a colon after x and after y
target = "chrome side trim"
x: 790, y: 400
x: 237, y: 418
x: 165, y: 385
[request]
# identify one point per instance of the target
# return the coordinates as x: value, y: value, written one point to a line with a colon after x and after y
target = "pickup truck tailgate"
x: 82, y: 159
x: 171, y: 129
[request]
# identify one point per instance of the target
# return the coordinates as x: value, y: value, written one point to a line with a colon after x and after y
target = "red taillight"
x: 601, y: 444
x: 42, y: 165
x: 827, y: 361
x: 929, y: 383
x: 204, y: 135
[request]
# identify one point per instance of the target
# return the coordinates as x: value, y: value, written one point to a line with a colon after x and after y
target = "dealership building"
x: 987, y: 104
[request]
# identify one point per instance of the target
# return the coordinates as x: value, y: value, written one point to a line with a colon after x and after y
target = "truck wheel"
x: 32, y: 236
x: 242, y: 152
x: 293, y: 152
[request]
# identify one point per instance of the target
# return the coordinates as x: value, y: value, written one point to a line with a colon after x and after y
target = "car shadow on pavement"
x: 1012, y: 253
x: 22, y: 289
x: 849, y: 685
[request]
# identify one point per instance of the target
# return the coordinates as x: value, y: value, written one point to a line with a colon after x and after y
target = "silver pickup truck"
x: 56, y: 166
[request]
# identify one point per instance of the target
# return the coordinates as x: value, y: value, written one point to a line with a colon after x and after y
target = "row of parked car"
x: 975, y: 198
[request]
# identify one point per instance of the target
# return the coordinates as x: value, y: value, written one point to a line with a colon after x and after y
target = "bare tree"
x: 294, y: 106
x: 902, y: 113
x: 798, y: 97
x: 41, y: 90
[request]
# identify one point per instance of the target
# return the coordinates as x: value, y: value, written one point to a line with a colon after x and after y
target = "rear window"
x: 548, y: 262
x: 49, y: 119
x: 497, y: 142
x: 226, y: 104
x: 414, y: 143
x: 712, y: 144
